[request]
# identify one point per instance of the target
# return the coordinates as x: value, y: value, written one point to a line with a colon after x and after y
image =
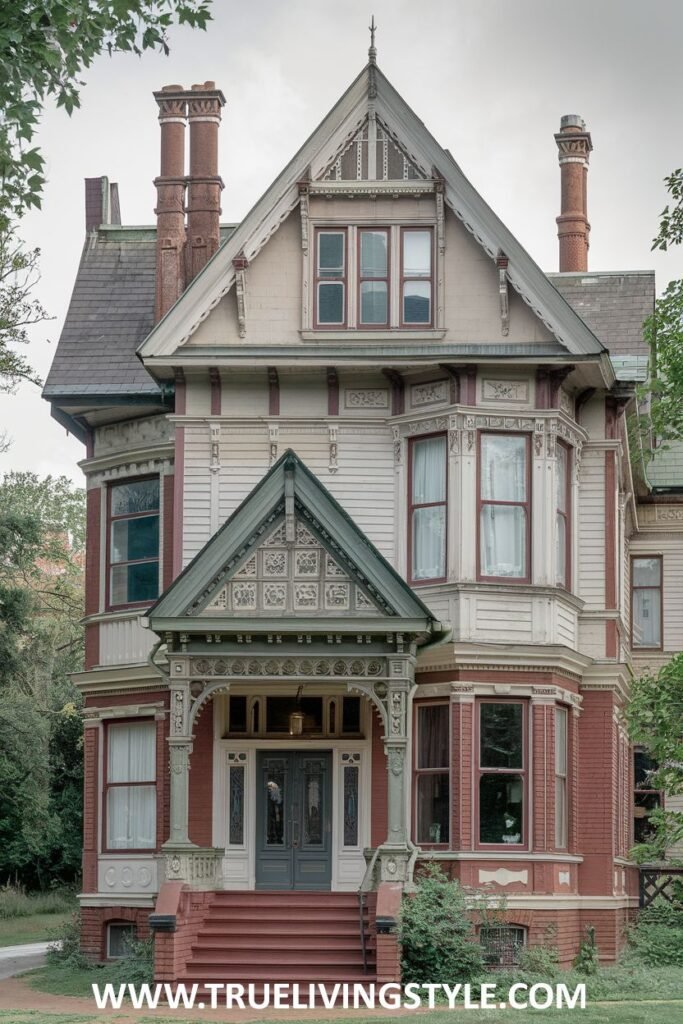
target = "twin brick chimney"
x: 574, y: 146
x: 182, y: 250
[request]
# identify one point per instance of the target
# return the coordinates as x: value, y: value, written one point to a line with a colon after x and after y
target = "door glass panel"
x: 236, y: 806
x: 313, y: 809
x: 274, y: 777
x: 351, y: 805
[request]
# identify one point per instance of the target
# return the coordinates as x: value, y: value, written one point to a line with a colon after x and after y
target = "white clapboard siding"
x: 124, y: 642
x: 592, y: 637
x: 670, y: 547
x: 565, y: 626
x: 196, y: 491
x: 591, y: 531
x: 244, y: 457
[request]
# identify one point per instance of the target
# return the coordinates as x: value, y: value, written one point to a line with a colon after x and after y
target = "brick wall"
x: 201, y: 779
x: 378, y: 785
x: 94, y: 921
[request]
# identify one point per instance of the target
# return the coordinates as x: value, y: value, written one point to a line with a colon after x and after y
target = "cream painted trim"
x: 555, y: 858
x: 118, y: 679
x: 560, y: 901
x: 124, y: 711
x: 127, y: 457
x: 115, y: 900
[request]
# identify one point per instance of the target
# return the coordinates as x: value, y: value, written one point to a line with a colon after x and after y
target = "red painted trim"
x: 169, y: 530
x: 469, y: 391
x: 178, y: 488
x: 611, y: 638
x: 180, y: 395
x: 89, y: 443
x: 430, y: 280
x: 92, y: 550
x: 337, y: 280
x: 431, y: 504
x: 417, y: 772
x: 523, y: 504
x: 332, y: 391
x: 92, y: 645
x: 106, y: 785
x: 660, y: 588
x: 524, y: 772
x: 215, y: 379
x: 542, y: 388
x: 273, y: 392
x: 398, y: 391
x: 91, y: 738
x: 359, y: 279
x: 610, y: 531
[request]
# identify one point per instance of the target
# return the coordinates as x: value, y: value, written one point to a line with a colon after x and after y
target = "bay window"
x: 502, y: 771
x: 561, y: 771
x: 330, y: 278
x: 504, y: 506
x: 416, y: 276
x: 133, y: 542
x: 646, y: 601
x: 373, y: 275
x: 428, y: 506
x: 130, y: 786
x: 432, y: 774
x: 562, y: 519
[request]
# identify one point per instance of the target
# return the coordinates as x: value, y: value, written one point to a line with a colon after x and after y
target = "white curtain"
x: 429, y: 524
x: 503, y: 527
x: 131, y: 810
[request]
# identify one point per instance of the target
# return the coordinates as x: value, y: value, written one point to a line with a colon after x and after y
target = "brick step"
x: 268, y: 929
x: 303, y: 943
x: 251, y: 957
x: 326, y: 920
x: 285, y: 899
x: 204, y: 994
x: 272, y: 974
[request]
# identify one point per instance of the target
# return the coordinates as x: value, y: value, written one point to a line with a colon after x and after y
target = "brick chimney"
x: 204, y: 103
x: 574, y: 146
x: 101, y: 203
x: 170, y: 208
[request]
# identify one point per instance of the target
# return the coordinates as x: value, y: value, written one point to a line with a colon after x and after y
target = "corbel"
x: 215, y: 434
x: 332, y: 465
x: 273, y: 441
x: 439, y: 196
x: 304, y: 194
x: 556, y: 380
x: 273, y: 392
x: 240, y: 264
x: 332, y: 391
x: 502, y: 265
x: 454, y: 382
x: 215, y: 382
x: 397, y: 391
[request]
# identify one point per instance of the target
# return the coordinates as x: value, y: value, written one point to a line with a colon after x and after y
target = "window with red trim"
x: 330, y: 278
x: 428, y: 508
x: 432, y: 774
x: 646, y: 798
x: 417, y: 290
x: 504, y: 506
x: 133, y: 542
x: 373, y: 277
x: 646, y: 601
x: 502, y: 773
x: 130, y: 786
x: 561, y: 778
x: 562, y: 517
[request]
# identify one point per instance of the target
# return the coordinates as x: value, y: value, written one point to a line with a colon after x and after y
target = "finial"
x: 372, y: 52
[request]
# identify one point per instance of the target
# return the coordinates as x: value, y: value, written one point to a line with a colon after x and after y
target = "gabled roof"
x: 378, y: 599
x: 313, y: 159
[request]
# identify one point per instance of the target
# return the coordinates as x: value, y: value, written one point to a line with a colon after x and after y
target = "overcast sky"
x: 490, y: 79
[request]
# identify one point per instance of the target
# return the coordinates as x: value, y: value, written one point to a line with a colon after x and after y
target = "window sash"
x: 432, y: 773
x: 502, y: 799
x: 330, y: 278
x: 416, y: 283
x: 133, y: 549
x: 130, y: 786
x: 647, y: 608
x: 428, y: 508
x: 504, y: 523
x: 561, y: 777
x: 563, y: 516
x: 373, y: 280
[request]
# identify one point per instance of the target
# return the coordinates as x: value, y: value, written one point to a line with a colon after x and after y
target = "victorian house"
x: 366, y: 570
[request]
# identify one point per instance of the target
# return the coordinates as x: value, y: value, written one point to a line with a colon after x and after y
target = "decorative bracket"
x: 502, y: 264
x: 333, y: 466
x: 304, y: 193
x: 273, y: 438
x: 240, y: 264
x: 215, y: 463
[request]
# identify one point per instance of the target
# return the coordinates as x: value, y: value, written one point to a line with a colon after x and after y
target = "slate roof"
x: 614, y: 305
x: 111, y: 312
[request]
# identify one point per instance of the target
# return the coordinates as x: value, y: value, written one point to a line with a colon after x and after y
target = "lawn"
x: 35, y: 928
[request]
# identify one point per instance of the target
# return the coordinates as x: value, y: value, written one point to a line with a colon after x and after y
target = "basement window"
x: 119, y: 939
x: 502, y: 945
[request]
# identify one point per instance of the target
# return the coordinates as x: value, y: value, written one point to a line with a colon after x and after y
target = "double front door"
x: 294, y: 819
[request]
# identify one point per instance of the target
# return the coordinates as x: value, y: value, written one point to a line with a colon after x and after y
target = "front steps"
x: 304, y: 937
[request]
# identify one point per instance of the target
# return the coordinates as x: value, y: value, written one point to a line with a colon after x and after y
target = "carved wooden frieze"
x: 143, y: 433
x: 366, y: 398
x: 266, y: 666
x: 432, y: 393
x: 495, y: 390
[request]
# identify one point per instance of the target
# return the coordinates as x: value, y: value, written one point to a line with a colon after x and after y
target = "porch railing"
x: 200, y: 868
x: 660, y: 880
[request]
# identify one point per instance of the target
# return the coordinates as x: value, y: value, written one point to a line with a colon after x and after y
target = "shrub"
x: 436, y: 932
x: 541, y: 959
x: 137, y: 966
x: 587, y: 961
x: 65, y: 945
x: 657, y: 936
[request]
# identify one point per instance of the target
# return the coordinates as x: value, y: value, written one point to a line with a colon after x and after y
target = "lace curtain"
x: 131, y: 809
x: 429, y: 523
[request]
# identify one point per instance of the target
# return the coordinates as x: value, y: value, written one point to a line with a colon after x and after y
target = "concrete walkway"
x: 16, y: 959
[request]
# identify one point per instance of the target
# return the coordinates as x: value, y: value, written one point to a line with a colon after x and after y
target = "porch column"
x: 395, y: 853
x: 180, y: 748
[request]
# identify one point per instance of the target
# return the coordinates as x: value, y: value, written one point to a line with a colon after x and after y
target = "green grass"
x: 69, y: 981
x: 37, y: 928
x: 15, y: 902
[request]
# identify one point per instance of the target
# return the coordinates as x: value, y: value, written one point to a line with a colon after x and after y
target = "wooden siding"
x: 124, y: 642
x: 591, y: 528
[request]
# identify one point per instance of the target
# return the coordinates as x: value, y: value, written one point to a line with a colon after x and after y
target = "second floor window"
x: 134, y: 542
x: 428, y: 508
x: 646, y: 602
x: 504, y: 507
x: 330, y: 274
x: 416, y: 283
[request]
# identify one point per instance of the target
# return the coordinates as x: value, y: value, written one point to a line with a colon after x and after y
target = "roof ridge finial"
x: 372, y: 52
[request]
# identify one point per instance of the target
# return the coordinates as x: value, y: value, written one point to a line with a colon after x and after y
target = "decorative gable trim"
x: 321, y: 150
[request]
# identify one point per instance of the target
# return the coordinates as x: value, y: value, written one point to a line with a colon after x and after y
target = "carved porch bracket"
x: 240, y: 264
x: 304, y: 194
x: 502, y: 265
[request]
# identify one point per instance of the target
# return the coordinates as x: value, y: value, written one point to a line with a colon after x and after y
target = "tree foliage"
x: 671, y: 218
x: 45, y: 45
x: 656, y: 721
x: 18, y: 310
x: 41, y: 643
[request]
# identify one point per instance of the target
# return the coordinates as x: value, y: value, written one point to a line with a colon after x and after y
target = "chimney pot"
x: 574, y: 146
